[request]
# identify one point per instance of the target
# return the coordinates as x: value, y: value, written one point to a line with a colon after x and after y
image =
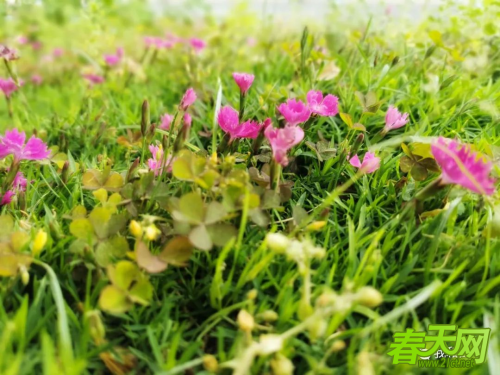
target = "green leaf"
x: 418, y: 172
x: 299, y: 214
x: 82, y: 228
x: 123, y: 274
x: 436, y: 37
x: 222, y: 233
x: 406, y: 164
x: 7, y: 225
x: 91, y: 179
x: 192, y: 208
x: 151, y: 263
x: 182, y: 170
x: 114, y: 300
x: 79, y: 212
x: 200, y: 238
x: 215, y: 212
x: 347, y: 119
x: 100, y: 217
x: 177, y: 252
x: 114, y: 182
x: 406, y: 150
x: 141, y: 292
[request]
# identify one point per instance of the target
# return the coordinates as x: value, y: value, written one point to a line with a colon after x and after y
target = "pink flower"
x: 327, y: 106
x: 188, y: 99
x: 197, y: 44
x: 36, y: 79
x: 155, y: 163
x: 187, y: 120
x: 94, y: 79
x: 57, y: 52
x: 21, y: 39
x: 36, y: 45
x: 370, y: 163
x: 7, y: 86
x: 13, y: 143
x: 112, y: 60
x: 282, y: 140
x: 394, y: 119
x: 251, y: 41
x: 243, y: 80
x: 294, y: 111
x: 459, y: 165
x: 7, y: 53
x: 19, y: 182
x: 166, y: 120
x: 7, y: 197
x: 228, y: 121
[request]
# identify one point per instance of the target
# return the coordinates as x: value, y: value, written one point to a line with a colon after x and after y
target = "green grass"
x: 437, y: 268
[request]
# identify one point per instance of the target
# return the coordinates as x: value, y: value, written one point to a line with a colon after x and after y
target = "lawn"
x: 189, y: 194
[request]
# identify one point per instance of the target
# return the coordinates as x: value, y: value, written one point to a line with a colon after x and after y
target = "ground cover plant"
x: 186, y: 195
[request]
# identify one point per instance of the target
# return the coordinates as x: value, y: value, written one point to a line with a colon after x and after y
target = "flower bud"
x: 245, y: 321
x: 369, y: 297
x: 281, y: 365
x: 317, y: 329
x: 135, y: 228
x: 269, y: 344
x: 277, y: 242
x: 25, y: 276
x: 144, y: 118
x: 252, y: 294
x: 365, y: 365
x: 39, y: 242
x: 316, y: 226
x: 152, y: 232
x: 269, y: 316
x: 210, y: 363
x: 337, y: 346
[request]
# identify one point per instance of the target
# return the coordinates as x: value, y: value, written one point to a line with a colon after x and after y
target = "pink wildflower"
x: 8, y: 86
x: 19, y: 182
x: 57, y: 52
x: 94, y: 79
x: 187, y: 120
x: 13, y: 143
x: 113, y: 60
x: 370, y: 163
x: 7, y: 53
x: 282, y: 140
x: 166, y: 120
x: 197, y: 44
x: 36, y: 79
x: 244, y: 81
x: 228, y: 121
x: 155, y: 163
x: 188, y: 99
x: 294, y: 111
x: 327, y: 106
x: 251, y: 41
x: 21, y: 39
x: 36, y: 45
x: 460, y: 166
x: 394, y: 119
x: 7, y: 197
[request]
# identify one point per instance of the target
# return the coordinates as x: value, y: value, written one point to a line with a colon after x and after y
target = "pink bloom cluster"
x: 7, y: 53
x: 369, y: 165
x: 8, y: 86
x: 158, y: 42
x: 113, y: 60
x: 197, y: 44
x: 394, y: 119
x: 93, y: 79
x: 13, y: 143
x: 295, y: 111
x: 244, y: 81
x: 229, y: 122
x: 460, y: 166
x: 188, y: 99
x: 155, y: 163
x: 19, y: 184
x: 282, y: 140
x: 166, y: 120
